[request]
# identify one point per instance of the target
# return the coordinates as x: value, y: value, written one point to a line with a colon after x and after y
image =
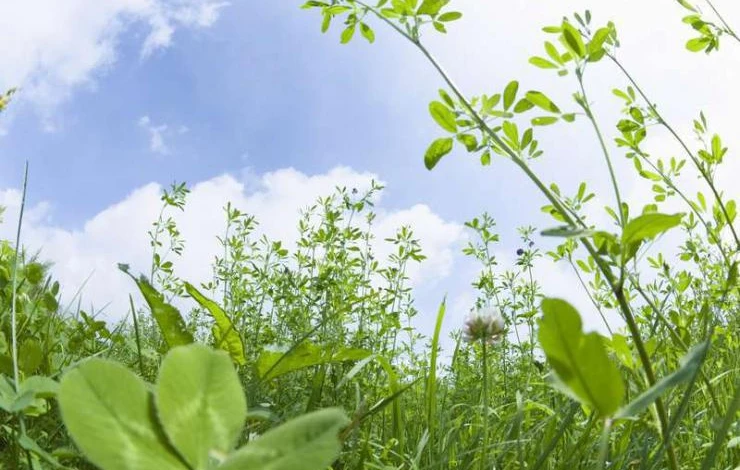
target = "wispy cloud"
x: 58, y: 46
x: 158, y: 133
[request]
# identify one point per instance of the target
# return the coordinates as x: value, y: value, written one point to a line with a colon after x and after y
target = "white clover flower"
x: 485, y: 325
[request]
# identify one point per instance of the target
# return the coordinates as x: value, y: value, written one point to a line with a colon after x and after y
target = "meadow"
x: 306, y: 357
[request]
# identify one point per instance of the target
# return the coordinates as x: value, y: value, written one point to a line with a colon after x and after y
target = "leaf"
x: 227, y: 338
x: 367, y: 33
x: 308, y: 442
x: 580, y: 360
x: 169, y: 320
x: 566, y: 231
x: 469, y: 141
x: 109, y: 413
x: 649, y: 226
x: 542, y: 63
x: 443, y: 116
x: 431, y: 7
x: 438, y: 149
x: 573, y: 39
x: 544, y: 120
x: 272, y: 364
x: 200, y: 403
x: 690, y: 365
x: 450, y: 16
x: 347, y: 34
x: 510, y: 94
x: 540, y: 100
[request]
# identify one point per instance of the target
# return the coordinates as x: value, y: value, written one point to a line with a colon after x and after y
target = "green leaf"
x: 469, y: 141
x: 224, y: 332
x: 367, y: 33
x: 690, y: 365
x: 200, y: 403
x: 573, y: 39
x: 109, y: 413
x: 438, y: 149
x: 348, y: 33
x: 272, y: 364
x: 308, y: 442
x: 523, y: 105
x: 566, y: 231
x: 170, y: 322
x: 697, y: 44
x: 443, y: 115
x: 510, y: 94
x: 580, y: 360
x: 450, y: 16
x: 544, y: 120
x: 542, y: 63
x: 649, y: 226
x: 540, y: 100
x: 431, y: 7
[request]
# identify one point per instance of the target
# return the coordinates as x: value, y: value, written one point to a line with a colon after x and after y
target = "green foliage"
x: 191, y: 419
x: 580, y: 360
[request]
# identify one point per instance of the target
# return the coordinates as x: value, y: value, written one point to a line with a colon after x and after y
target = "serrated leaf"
x: 200, y: 403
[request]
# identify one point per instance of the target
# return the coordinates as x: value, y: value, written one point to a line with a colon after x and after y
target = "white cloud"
x: 52, y: 47
x: 157, y: 134
x: 119, y: 232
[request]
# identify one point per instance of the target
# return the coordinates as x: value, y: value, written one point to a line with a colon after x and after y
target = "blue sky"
x: 252, y: 88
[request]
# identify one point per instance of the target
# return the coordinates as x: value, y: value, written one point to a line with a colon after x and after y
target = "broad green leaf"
x: 272, y: 364
x: 540, y: 100
x: 438, y: 149
x: 308, y: 442
x: 443, y: 116
x: 224, y: 332
x: 109, y: 413
x: 690, y: 365
x: 200, y: 403
x: 697, y: 44
x: 510, y: 94
x: 579, y: 360
x: 168, y: 318
x: 30, y: 356
x: 523, y: 105
x: 431, y: 7
x: 648, y: 226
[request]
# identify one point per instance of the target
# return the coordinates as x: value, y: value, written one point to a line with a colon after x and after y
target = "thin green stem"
x: 484, y: 400
x: 728, y: 29
x: 604, y: 150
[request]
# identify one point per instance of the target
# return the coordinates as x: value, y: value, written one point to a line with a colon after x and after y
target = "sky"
x: 248, y: 102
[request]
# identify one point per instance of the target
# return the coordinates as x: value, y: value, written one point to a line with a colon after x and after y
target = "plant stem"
x: 485, y: 405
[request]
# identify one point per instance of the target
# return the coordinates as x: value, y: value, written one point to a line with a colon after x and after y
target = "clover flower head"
x: 484, y: 325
